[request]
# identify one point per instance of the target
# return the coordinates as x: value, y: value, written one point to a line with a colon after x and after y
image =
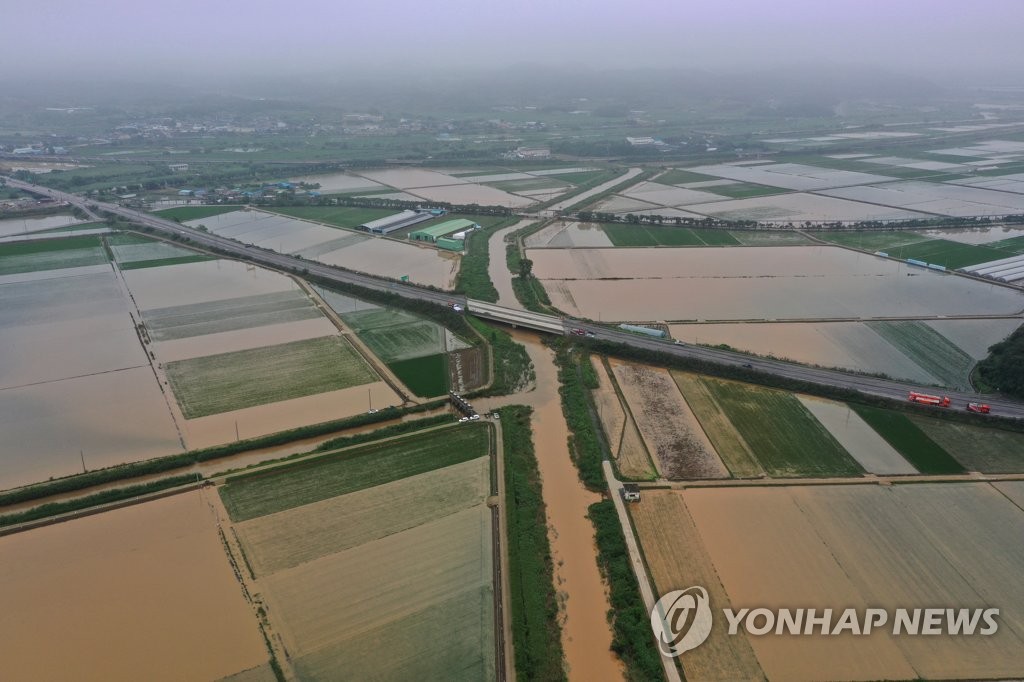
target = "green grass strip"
x: 186, y: 213
x: 307, y: 481
x: 85, y: 241
x: 533, y: 602
x: 909, y: 440
x: 783, y: 435
x: 584, y: 444
x: 161, y: 262
x: 107, y: 496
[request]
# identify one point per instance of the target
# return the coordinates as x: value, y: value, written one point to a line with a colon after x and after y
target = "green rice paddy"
x: 233, y: 381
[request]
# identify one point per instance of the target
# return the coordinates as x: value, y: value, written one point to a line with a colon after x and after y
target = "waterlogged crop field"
x: 140, y: 593
x: 754, y: 283
x: 845, y: 345
x: 901, y: 546
x: 228, y: 314
x: 135, y: 251
x: 334, y: 246
x: 18, y: 226
x: 677, y: 559
x: 232, y: 381
x: 930, y: 350
x: 435, y: 185
x: 415, y: 349
x: 247, y: 352
x: 51, y: 254
x: 75, y: 381
x: 365, y: 555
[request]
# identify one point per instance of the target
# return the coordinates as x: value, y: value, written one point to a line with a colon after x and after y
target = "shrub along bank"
x: 536, y: 633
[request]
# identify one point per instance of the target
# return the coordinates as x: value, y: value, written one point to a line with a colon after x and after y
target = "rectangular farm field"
x: 784, y: 436
x: 373, y: 464
x: 426, y: 377
x: 51, y: 254
x: 232, y: 381
x: 910, y: 440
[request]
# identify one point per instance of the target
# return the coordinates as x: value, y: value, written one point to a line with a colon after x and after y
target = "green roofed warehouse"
x: 432, y: 233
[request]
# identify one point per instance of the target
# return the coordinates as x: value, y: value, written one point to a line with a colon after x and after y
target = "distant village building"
x: 641, y: 141
x: 630, y: 492
x: 178, y: 167
x: 533, y: 152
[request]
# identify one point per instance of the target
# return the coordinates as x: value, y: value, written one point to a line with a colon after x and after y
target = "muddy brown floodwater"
x: 583, y: 598
x: 497, y: 268
x: 140, y: 593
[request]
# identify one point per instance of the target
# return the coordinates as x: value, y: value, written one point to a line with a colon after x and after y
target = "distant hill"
x: 1003, y: 369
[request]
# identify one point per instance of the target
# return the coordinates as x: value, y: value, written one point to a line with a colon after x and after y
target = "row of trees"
x: 706, y: 222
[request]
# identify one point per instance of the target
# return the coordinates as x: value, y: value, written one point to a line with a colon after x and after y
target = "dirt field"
x: 910, y: 546
x: 729, y: 444
x: 677, y: 559
x: 609, y: 408
x: 624, y: 439
x: 670, y: 430
x: 467, y: 369
x: 140, y: 593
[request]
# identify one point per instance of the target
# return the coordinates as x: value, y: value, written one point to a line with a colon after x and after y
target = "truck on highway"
x: 925, y: 399
x: 980, y: 408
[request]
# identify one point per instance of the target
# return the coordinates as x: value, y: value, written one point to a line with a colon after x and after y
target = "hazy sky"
x: 930, y: 37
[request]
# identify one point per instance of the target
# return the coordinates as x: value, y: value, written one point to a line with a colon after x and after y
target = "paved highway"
x: 869, y: 385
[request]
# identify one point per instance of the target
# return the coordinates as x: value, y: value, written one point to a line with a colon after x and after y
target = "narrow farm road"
x: 636, y: 559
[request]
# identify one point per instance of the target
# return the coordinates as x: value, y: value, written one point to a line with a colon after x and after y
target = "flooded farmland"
x: 15, y: 226
x: 334, y: 246
x: 755, y: 283
x: 76, y: 387
x: 846, y: 345
x: 904, y: 546
x: 586, y: 636
x: 143, y: 592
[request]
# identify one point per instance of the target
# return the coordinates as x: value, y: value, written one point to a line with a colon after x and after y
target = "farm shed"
x: 395, y: 222
x: 435, y: 232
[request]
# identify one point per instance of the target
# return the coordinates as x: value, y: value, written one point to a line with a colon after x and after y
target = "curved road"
x: 870, y: 385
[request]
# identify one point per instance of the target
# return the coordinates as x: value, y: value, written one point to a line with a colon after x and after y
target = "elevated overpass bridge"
x: 521, y: 318
x: 517, y: 318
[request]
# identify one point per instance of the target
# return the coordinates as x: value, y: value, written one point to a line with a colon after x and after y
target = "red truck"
x: 926, y: 399
x: 980, y: 408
